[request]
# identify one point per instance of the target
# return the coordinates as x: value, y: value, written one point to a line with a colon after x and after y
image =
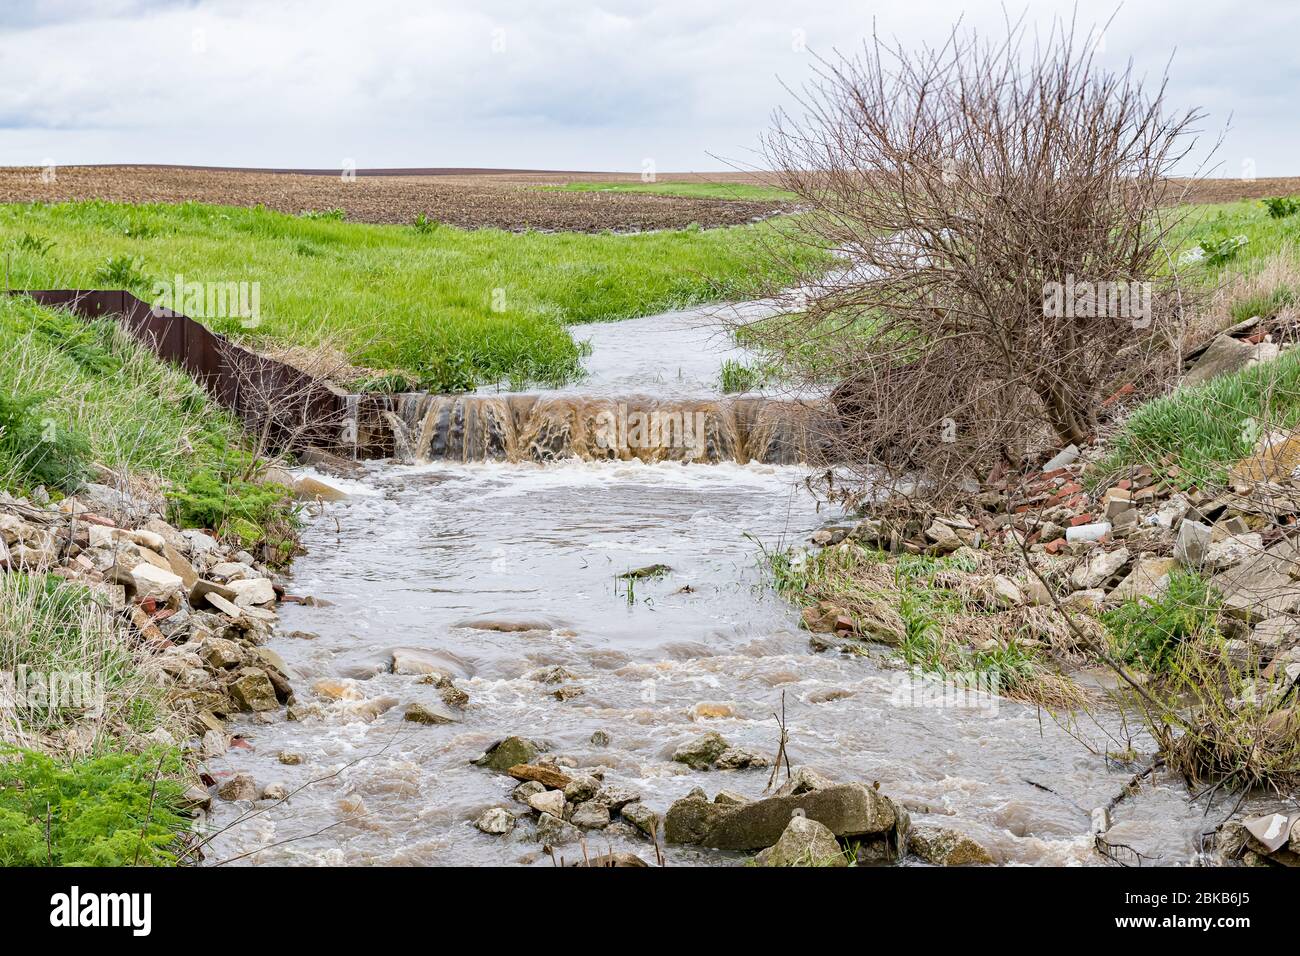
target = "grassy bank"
x: 89, y: 774
x: 76, y: 398
x: 446, y: 307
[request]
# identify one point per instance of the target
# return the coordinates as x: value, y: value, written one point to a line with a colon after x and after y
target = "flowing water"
x: 497, y: 567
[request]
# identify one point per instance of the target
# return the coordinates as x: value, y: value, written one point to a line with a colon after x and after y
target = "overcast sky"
x: 548, y: 85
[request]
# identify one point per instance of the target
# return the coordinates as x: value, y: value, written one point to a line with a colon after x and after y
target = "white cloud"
x: 563, y: 85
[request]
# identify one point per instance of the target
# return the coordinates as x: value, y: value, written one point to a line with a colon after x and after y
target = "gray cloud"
x: 570, y: 85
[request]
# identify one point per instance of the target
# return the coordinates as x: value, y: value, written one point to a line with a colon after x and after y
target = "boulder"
x: 943, y: 539
x: 548, y: 801
x: 251, y: 592
x: 504, y: 754
x: 239, y: 787
x: 419, y: 713
x: 275, y: 791
x: 741, y: 758
x: 151, y: 581
x: 804, y: 842
x: 1274, y: 634
x: 495, y: 821
x: 1225, y: 354
x: 942, y: 846
x: 581, y: 787
x: 690, y: 820
x: 803, y: 780
x: 1232, y: 550
x: 848, y: 810
x: 547, y: 776
x: 219, y: 653
x: 641, y: 817
x: 1005, y: 592
x: 408, y: 660
x: 252, y: 690
x: 591, y: 815
x: 701, y: 752
x: 314, y: 488
x: 555, y: 831
x: 1098, y: 568
x: 1262, y: 587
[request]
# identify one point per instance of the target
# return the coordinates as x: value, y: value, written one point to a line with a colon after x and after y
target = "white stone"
x: 252, y: 591
x: 154, y: 582
x: 549, y: 801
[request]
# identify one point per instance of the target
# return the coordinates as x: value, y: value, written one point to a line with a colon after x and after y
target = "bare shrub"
x: 959, y: 184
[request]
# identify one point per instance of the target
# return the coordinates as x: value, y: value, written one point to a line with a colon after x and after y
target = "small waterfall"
x: 543, y: 428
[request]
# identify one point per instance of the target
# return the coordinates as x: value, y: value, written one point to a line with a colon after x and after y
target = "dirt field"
x: 507, y: 199
x: 469, y: 198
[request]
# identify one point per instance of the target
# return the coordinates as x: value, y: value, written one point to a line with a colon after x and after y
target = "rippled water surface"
x: 423, y: 556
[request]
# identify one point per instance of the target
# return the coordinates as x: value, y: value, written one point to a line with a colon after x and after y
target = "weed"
x: 33, y: 244
x: 34, y: 450
x: 327, y: 215
x: 122, y: 272
x: 1148, y: 631
x: 423, y: 225
x: 1280, y: 207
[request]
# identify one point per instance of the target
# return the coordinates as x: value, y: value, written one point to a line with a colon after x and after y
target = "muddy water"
x: 432, y: 556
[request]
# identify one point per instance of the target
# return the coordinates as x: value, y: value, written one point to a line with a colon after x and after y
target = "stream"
x: 498, y: 570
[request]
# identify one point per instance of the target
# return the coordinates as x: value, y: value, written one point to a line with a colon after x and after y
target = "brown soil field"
x: 468, y: 198
x: 506, y: 199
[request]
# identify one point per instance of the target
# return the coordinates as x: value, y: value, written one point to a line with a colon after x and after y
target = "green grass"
x: 1204, y: 429
x: 1211, y: 225
x: 692, y: 190
x: 447, y: 308
x: 1149, y: 631
x: 75, y: 394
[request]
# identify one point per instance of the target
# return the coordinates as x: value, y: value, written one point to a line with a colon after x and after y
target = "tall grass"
x: 65, y: 656
x: 448, y: 307
x: 133, y: 412
x: 1204, y: 429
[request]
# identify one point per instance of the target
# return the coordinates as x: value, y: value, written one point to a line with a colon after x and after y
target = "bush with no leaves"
x: 963, y: 187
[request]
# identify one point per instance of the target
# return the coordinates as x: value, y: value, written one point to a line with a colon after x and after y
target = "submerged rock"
x: 496, y: 821
x: 942, y: 846
x: 702, y: 752
x: 504, y: 754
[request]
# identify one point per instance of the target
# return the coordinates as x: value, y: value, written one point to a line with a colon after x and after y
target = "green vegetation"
x: 50, y: 626
x: 690, y: 190
x: 1204, y: 429
x: 1279, y: 207
x: 1149, y: 631
x: 73, y: 394
x: 113, y: 810
x: 446, y: 308
x: 32, y: 453
x: 1218, y: 227
x: 945, y: 630
x: 743, y: 377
